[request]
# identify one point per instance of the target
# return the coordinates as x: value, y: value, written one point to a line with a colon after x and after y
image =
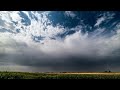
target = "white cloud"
x: 70, y: 13
x: 99, y: 21
x: 106, y: 17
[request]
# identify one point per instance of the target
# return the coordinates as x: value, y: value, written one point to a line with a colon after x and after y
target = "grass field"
x: 26, y: 75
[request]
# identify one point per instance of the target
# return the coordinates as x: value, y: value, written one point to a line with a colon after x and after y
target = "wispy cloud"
x: 70, y: 13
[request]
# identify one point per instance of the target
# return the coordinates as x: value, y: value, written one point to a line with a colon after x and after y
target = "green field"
x: 26, y: 75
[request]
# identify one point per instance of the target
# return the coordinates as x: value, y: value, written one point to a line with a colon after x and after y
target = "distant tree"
x: 105, y: 71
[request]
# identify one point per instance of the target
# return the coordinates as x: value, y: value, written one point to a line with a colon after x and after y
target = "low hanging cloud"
x: 75, y: 52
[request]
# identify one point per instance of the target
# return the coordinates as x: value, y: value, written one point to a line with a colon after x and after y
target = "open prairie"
x: 66, y: 75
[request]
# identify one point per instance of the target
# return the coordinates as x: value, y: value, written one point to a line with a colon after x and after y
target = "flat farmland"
x: 63, y: 75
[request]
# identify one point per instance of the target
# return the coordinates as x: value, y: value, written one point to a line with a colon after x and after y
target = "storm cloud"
x: 75, y: 52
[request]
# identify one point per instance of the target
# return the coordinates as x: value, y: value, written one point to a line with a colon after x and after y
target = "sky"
x: 59, y: 41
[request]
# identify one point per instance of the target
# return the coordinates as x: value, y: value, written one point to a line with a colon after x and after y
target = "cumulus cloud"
x: 75, y: 52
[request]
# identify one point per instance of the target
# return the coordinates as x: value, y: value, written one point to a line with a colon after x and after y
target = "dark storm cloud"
x: 65, y: 63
